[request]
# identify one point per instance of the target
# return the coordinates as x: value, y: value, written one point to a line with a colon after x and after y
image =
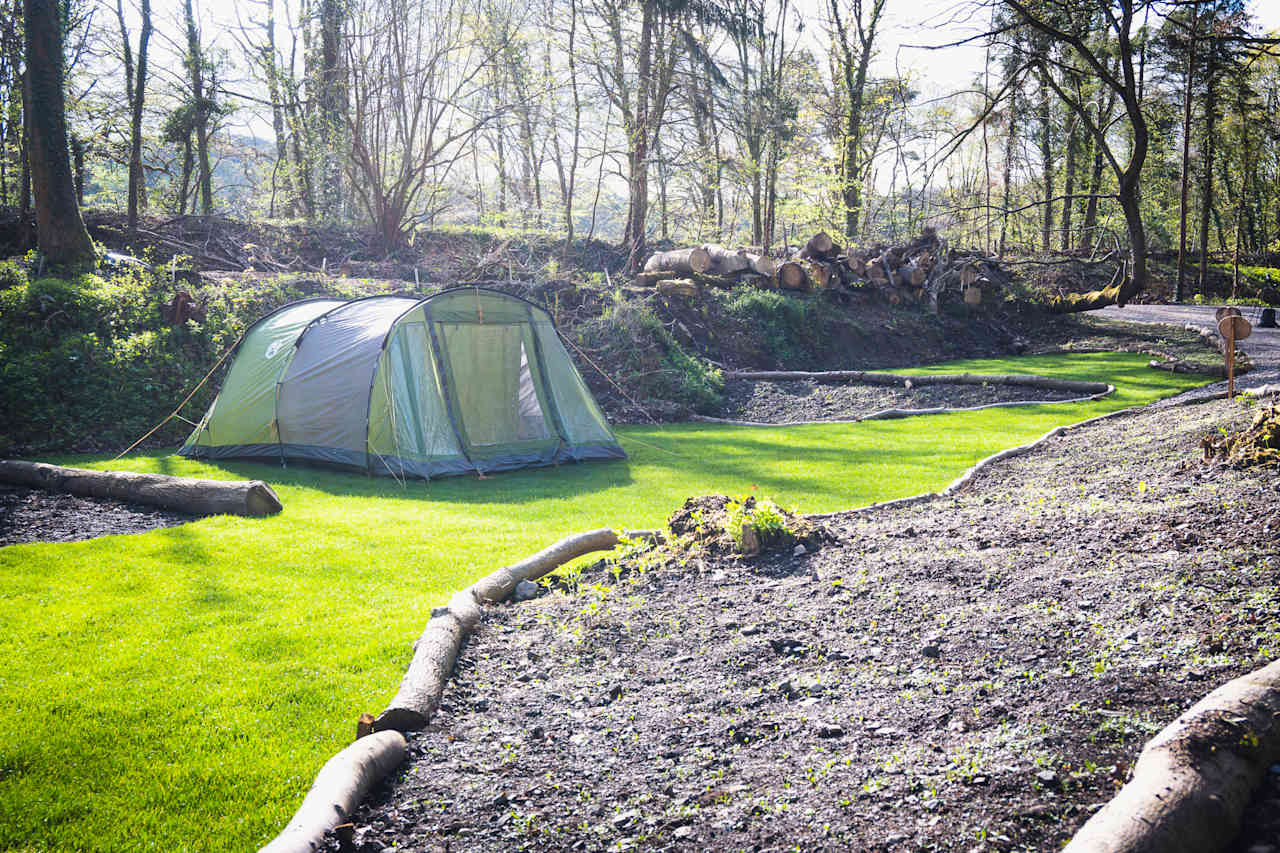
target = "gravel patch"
x: 806, y: 400
x: 34, y: 515
x: 973, y: 673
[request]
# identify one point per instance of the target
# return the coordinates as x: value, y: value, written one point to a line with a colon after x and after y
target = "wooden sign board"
x: 1233, y: 328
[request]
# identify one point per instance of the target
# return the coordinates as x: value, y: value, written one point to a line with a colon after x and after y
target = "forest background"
x: 1031, y: 126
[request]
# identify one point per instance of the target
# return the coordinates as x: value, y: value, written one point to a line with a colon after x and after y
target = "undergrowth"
x: 647, y: 360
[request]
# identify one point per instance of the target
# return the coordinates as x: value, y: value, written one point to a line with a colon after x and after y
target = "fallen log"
x: 437, y: 649
x: 877, y: 271
x: 1121, y: 289
x: 185, y: 494
x: 761, y: 264
x: 725, y: 262
x: 684, y: 287
x: 1193, y: 780
x: 691, y: 260
x: 818, y: 272
x: 820, y: 247
x: 1176, y: 366
x: 339, y: 787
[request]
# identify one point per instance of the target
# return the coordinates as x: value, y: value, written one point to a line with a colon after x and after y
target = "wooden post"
x: 1231, y: 360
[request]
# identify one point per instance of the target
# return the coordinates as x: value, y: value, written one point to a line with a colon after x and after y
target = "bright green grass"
x: 177, y: 690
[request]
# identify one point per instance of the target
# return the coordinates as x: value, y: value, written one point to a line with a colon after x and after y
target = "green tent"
x: 470, y: 379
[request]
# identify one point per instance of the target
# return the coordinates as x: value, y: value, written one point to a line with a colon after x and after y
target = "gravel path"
x: 785, y: 402
x: 1263, y: 346
x: 974, y: 673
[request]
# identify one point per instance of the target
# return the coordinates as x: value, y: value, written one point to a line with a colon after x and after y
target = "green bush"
x: 630, y: 341
x: 86, y: 363
x: 785, y: 325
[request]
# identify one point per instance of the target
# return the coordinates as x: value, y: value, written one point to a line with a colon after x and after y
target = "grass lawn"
x: 177, y: 690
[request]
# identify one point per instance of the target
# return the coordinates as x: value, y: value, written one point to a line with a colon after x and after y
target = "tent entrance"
x: 497, y: 387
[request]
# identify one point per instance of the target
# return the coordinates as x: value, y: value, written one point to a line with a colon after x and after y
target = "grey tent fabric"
x: 470, y: 379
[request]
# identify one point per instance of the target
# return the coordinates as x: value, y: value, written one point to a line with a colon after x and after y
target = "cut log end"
x: 261, y: 500
x: 792, y: 276
x: 401, y: 720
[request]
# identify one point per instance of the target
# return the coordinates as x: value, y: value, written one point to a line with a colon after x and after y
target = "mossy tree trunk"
x: 60, y: 231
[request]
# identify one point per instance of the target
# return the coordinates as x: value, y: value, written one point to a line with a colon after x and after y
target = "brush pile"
x: 921, y: 270
x: 1259, y: 444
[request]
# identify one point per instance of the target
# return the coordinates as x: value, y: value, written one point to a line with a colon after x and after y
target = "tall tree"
x: 331, y: 103
x: 202, y: 107
x: 855, y: 47
x: 135, y: 90
x: 59, y: 227
x: 1045, y: 117
x: 1069, y: 27
x: 411, y: 64
x: 567, y: 166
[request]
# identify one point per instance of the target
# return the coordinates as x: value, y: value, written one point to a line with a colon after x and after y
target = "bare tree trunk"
x: 638, y: 144
x: 567, y: 185
x: 855, y: 80
x: 1006, y: 199
x: 135, y: 88
x: 201, y: 106
x: 59, y: 229
x: 78, y: 148
x: 1185, y: 179
x: 1046, y: 165
x: 332, y: 103
x: 188, y: 166
x: 272, y: 68
x: 1095, y: 176
x: 24, y: 154
x: 1207, y: 154
x: 1069, y: 181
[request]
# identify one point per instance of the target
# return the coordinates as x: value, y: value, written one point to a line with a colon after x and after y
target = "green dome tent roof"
x: 467, y: 380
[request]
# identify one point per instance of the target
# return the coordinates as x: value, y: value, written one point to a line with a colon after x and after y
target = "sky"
x: 908, y: 25
x: 912, y: 23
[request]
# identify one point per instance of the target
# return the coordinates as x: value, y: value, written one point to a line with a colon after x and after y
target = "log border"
x: 252, y: 498
x: 1193, y: 780
x: 347, y: 777
x: 340, y: 786
x: 873, y: 377
x: 967, y: 477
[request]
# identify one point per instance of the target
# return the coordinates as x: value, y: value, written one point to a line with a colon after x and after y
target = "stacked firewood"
x: 920, y: 270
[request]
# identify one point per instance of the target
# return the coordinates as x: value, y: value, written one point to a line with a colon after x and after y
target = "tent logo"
x: 273, y: 348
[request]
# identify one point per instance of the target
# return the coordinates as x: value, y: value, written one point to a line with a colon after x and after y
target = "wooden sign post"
x: 1233, y: 328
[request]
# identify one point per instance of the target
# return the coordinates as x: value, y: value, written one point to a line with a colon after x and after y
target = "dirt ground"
x: 34, y: 515
x: 784, y: 402
x: 974, y: 673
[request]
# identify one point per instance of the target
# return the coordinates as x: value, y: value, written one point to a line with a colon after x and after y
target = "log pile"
x: 919, y: 271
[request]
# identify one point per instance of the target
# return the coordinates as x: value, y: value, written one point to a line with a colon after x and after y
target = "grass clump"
x: 764, y: 518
